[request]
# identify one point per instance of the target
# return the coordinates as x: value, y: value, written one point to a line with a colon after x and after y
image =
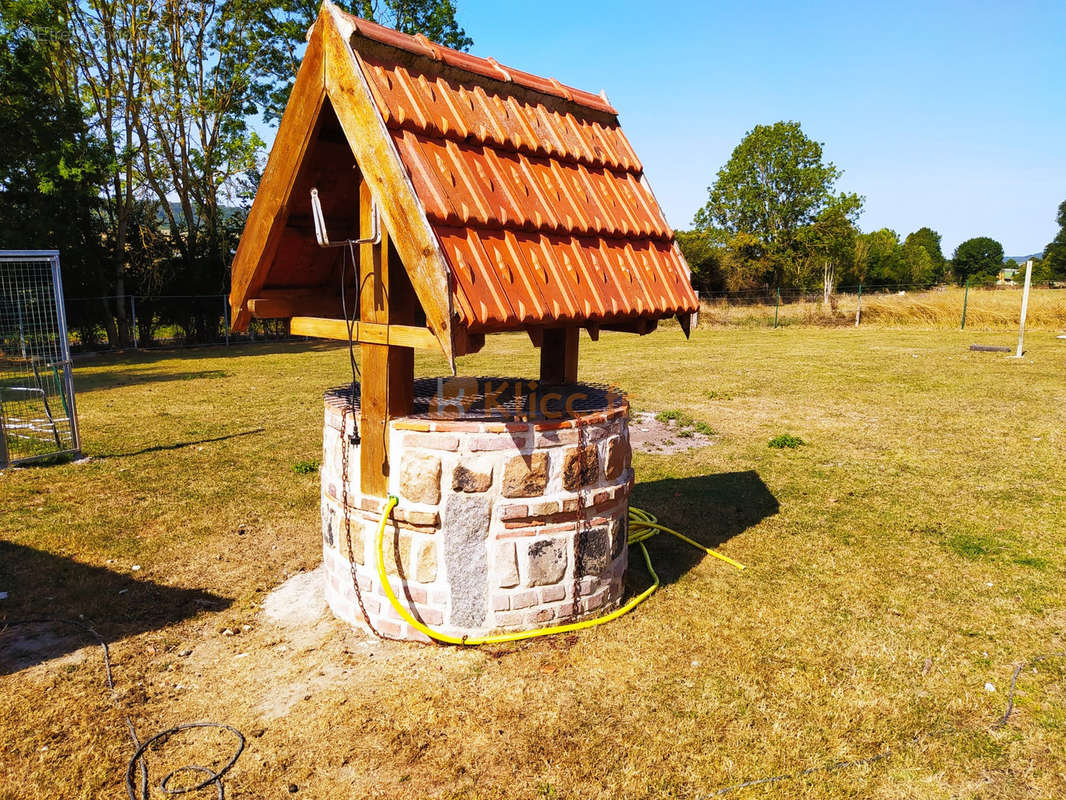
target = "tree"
x: 704, y: 255
x: 1055, y: 253
x: 980, y: 259
x: 884, y: 258
x: 50, y: 166
x: 829, y: 242
x: 282, y: 25
x: 927, y: 268
x: 774, y: 183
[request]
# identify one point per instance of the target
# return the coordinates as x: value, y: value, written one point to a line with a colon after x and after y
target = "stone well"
x: 512, y: 512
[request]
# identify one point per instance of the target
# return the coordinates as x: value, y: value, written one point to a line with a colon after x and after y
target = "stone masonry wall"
x: 500, y: 526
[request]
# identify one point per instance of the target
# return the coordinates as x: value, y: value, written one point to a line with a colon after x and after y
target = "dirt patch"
x: 649, y: 434
x: 24, y: 646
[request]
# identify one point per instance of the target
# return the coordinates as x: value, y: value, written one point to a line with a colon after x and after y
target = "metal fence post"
x: 1025, y: 307
x: 965, y: 298
x: 777, y: 305
x: 225, y: 318
x: 133, y: 316
x: 858, y: 308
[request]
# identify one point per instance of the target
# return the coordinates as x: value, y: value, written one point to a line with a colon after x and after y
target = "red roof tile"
x: 532, y: 189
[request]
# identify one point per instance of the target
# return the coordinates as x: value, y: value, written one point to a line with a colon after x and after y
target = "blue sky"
x: 946, y: 114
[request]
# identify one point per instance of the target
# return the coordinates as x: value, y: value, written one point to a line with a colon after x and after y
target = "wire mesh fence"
x: 37, y: 414
x: 163, y: 321
x: 920, y: 306
x: 150, y: 321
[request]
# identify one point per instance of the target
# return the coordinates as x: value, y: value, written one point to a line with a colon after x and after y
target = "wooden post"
x: 388, y: 372
x: 558, y: 355
x: 1025, y: 307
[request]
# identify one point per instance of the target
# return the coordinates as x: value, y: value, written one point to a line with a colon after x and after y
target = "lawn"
x: 900, y: 563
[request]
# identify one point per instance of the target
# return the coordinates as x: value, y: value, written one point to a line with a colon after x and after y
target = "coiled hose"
x: 642, y: 526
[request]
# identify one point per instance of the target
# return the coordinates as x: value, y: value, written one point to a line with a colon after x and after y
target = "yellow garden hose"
x: 642, y: 526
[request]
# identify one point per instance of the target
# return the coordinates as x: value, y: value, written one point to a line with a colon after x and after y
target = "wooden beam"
x: 388, y: 371
x: 365, y: 332
x: 300, y: 306
x: 467, y: 343
x: 376, y: 154
x: 641, y: 327
x: 266, y: 221
x: 558, y: 355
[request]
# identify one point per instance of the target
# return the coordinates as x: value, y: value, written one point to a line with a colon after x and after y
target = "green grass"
x: 785, y: 440
x: 684, y: 423
x: 908, y: 555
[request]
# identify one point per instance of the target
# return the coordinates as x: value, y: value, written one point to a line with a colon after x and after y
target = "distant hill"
x: 1023, y: 259
x: 227, y: 212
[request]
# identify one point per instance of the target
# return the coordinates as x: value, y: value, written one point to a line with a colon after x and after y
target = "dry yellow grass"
x: 987, y: 309
x: 909, y: 554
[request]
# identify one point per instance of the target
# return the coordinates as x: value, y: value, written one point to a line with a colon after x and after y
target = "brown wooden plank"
x: 558, y: 355
x: 640, y: 326
x: 403, y: 336
x: 270, y: 210
x: 390, y: 185
x: 373, y: 359
x: 388, y: 371
x: 308, y: 305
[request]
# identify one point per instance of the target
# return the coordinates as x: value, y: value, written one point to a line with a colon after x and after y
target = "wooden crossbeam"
x: 297, y: 306
x: 365, y: 332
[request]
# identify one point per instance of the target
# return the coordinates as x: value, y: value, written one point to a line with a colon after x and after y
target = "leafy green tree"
x: 1055, y: 252
x: 979, y: 259
x: 281, y: 26
x: 704, y: 255
x: 929, y: 268
x: 828, y: 243
x: 885, y: 265
x: 774, y: 184
x: 1041, y: 272
x: 50, y: 166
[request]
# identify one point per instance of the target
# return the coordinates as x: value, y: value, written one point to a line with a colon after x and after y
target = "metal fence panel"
x: 38, y: 418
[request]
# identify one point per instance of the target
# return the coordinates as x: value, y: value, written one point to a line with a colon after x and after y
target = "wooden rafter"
x: 390, y: 185
x: 332, y: 73
x: 270, y: 211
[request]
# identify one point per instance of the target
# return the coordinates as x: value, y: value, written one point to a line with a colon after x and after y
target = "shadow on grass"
x: 179, y: 445
x: 42, y: 585
x: 708, y: 508
x: 91, y: 381
x: 126, y: 362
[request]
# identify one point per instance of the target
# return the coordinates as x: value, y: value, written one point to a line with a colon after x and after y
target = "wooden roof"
x: 512, y: 200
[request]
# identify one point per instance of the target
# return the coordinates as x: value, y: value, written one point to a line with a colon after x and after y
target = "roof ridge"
x: 478, y: 65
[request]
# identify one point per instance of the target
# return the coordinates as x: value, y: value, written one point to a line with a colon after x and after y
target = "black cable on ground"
x: 137, y: 762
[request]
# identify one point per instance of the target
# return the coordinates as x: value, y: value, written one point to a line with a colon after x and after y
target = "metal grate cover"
x: 38, y: 418
x: 485, y: 399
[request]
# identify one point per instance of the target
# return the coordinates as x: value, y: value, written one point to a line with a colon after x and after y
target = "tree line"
x: 774, y: 220
x: 127, y: 139
x: 128, y: 142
